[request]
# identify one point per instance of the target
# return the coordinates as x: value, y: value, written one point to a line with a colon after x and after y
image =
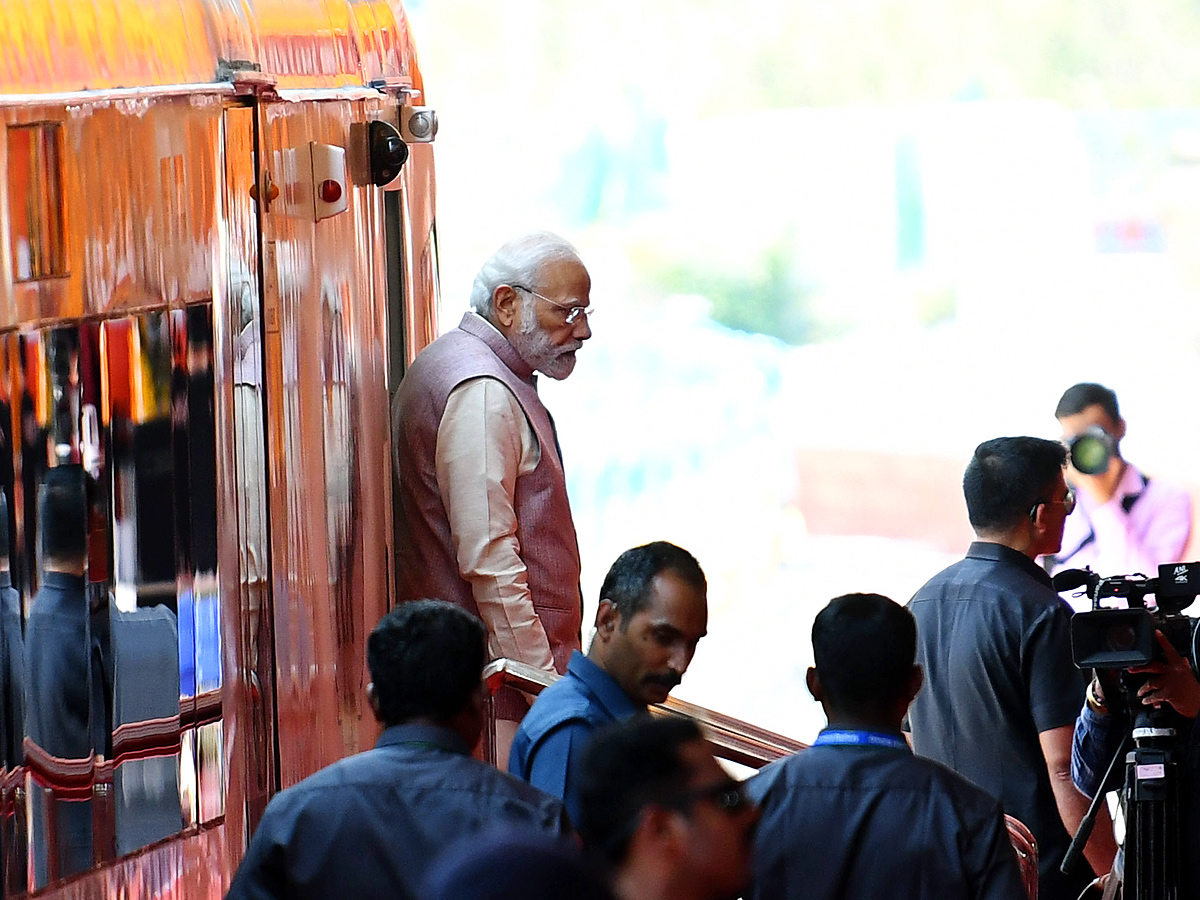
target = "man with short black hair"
x: 67, y: 714
x: 1001, y: 691
x: 653, y: 611
x: 1126, y: 522
x: 369, y: 825
x: 662, y: 815
x: 857, y: 816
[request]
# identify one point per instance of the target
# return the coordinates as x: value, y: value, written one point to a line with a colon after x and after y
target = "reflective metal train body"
x: 204, y: 304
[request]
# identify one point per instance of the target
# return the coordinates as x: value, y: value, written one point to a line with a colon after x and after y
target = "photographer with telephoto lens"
x: 1125, y: 521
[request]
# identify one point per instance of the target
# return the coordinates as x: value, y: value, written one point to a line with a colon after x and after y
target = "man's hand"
x: 1099, y: 487
x: 1171, y: 681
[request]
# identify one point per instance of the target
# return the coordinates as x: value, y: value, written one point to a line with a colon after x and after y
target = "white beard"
x: 538, y: 350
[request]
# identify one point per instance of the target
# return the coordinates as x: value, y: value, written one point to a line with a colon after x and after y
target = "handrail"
x: 729, y: 738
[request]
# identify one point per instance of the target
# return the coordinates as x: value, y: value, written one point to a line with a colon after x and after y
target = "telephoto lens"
x: 1091, y: 451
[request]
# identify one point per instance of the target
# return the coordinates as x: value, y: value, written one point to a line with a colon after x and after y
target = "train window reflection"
x: 35, y: 201
x: 145, y: 417
x: 68, y: 680
x: 117, y: 581
x: 13, y: 821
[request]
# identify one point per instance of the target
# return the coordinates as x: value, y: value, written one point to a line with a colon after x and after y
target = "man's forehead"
x: 1079, y: 422
x: 564, y: 271
x: 675, y: 602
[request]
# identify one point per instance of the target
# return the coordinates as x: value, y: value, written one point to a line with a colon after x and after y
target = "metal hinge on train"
x: 246, y: 77
x: 418, y: 124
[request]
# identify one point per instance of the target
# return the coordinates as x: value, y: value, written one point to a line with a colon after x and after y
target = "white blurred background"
x: 834, y: 246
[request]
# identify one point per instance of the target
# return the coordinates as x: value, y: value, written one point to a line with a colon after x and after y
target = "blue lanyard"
x: 861, y: 738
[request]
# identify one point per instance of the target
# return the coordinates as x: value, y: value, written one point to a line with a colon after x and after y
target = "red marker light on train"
x: 331, y: 191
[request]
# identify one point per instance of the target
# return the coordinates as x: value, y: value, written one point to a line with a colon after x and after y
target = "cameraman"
x: 1100, y: 729
x: 1124, y: 520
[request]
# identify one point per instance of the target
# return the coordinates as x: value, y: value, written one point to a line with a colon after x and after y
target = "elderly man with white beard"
x: 485, y: 522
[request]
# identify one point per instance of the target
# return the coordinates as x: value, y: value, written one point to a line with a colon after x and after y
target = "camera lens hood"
x: 1091, y: 451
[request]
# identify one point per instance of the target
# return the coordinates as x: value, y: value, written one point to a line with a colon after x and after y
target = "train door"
x: 325, y: 382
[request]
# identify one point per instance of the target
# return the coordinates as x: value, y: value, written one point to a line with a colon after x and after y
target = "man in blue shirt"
x: 370, y: 825
x: 67, y: 713
x: 653, y: 611
x: 858, y: 815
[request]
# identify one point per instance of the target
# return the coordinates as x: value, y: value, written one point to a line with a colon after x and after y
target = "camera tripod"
x: 1150, y: 802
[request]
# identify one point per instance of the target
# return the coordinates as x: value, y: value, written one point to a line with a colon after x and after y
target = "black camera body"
x: 1106, y: 638
x: 1116, y: 639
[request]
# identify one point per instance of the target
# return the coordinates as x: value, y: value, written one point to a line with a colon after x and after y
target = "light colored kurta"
x: 484, y: 443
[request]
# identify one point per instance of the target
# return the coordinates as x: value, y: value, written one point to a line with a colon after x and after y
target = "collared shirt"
x: 1146, y: 522
x: 844, y: 821
x: 549, y: 745
x: 67, y: 711
x: 65, y: 716
x: 484, y: 443
x: 371, y: 824
x: 994, y: 640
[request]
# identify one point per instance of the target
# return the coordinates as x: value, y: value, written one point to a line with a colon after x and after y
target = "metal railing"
x: 730, y: 738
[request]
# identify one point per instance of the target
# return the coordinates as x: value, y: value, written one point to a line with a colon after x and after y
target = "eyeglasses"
x: 727, y: 796
x: 573, y: 312
x: 1067, y: 501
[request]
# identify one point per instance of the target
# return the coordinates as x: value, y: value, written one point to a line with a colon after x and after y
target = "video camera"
x: 1116, y: 639
x: 1107, y: 638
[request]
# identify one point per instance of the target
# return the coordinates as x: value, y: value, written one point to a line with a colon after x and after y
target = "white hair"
x: 518, y: 262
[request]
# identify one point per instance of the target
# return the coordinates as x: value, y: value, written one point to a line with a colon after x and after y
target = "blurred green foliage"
x: 771, y: 298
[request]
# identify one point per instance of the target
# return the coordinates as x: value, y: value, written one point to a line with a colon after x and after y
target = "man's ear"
x: 1039, y: 519
x: 1120, y: 433
x: 474, y: 715
x: 608, y: 619
x: 373, y: 701
x: 505, y: 305
x: 915, y: 680
x: 813, y: 680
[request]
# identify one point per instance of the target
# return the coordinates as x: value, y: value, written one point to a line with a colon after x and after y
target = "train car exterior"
x: 210, y: 281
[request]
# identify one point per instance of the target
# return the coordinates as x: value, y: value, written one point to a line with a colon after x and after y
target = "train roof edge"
x: 68, y: 46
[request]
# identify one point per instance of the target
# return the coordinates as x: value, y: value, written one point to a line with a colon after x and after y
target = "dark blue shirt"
x: 59, y: 670
x: 994, y: 639
x: 371, y: 824
x: 548, y: 746
x: 66, y: 712
x: 857, y: 822
x: 12, y: 675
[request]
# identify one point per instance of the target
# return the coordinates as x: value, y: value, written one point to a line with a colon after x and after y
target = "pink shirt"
x: 1145, y: 523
